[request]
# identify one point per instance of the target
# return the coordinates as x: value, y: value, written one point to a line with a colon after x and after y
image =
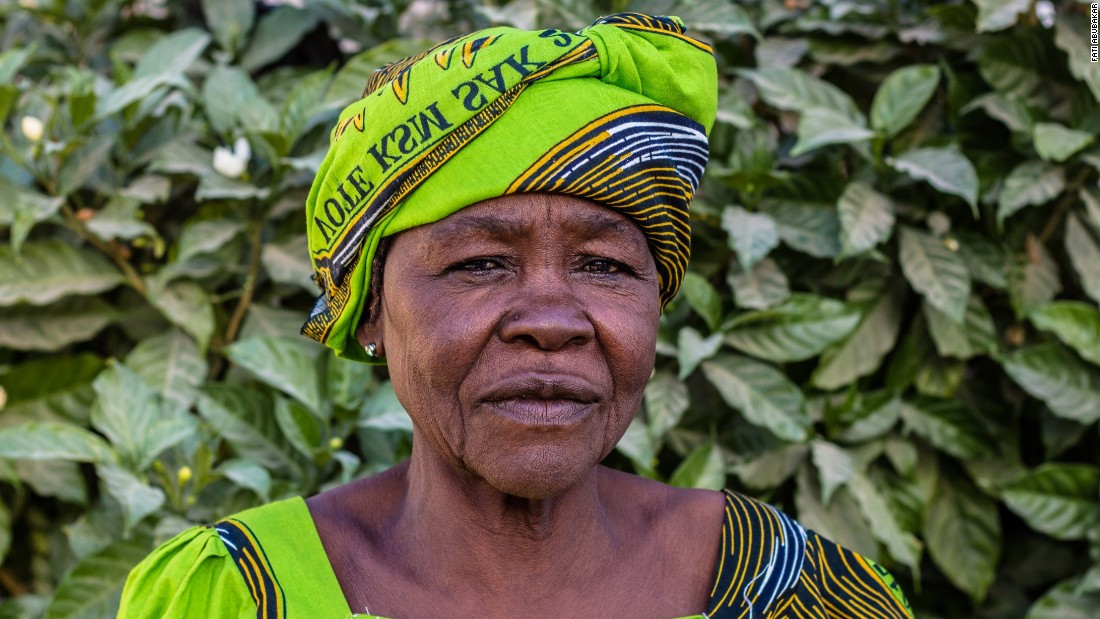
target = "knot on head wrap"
x: 617, y: 113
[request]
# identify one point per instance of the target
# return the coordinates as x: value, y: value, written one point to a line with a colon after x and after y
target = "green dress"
x: 268, y: 563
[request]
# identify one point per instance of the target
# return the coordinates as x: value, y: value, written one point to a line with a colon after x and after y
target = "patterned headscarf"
x: 617, y: 113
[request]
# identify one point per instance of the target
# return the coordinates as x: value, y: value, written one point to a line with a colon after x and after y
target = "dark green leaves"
x: 45, y: 271
x: 935, y: 271
x: 762, y: 394
x: 902, y: 96
x: 1057, y: 499
x: 1054, y: 375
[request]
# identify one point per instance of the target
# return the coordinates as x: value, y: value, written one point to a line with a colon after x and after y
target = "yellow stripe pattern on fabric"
x: 769, y: 567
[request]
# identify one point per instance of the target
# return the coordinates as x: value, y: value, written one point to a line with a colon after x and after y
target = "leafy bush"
x: 890, y: 329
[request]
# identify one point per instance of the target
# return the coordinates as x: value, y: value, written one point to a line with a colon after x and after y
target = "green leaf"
x: 249, y: 475
x: 75, y: 319
x: 903, y: 546
x: 721, y: 18
x: 277, y: 33
x: 1030, y: 183
x: 866, y: 219
x: 229, y: 20
x: 214, y: 186
x: 692, y: 348
x: 841, y: 517
x: 812, y: 229
x: 1057, y: 499
x: 289, y: 365
x: 935, y: 271
x: 1070, y: 37
x: 999, y: 14
x: 243, y: 418
x: 383, y: 411
x: 128, y: 413
x: 795, y: 90
x: 702, y: 468
x: 799, y: 329
x: 862, y: 353
x: 52, y: 440
x: 1084, y: 253
x: 232, y: 101
x: 1077, y: 324
x: 703, y: 298
x: 1055, y: 142
x: 949, y: 425
x: 171, y: 365
x: 55, y: 478
x: 136, y: 498
x: 762, y: 287
x: 204, y: 237
x: 763, y: 395
x: 637, y: 445
x: 751, y: 235
x: 288, y: 263
x: 976, y: 335
x: 23, y: 209
x: 51, y: 388
x: 963, y: 532
x: 835, y: 467
x: 1013, y: 65
x: 1054, y: 375
x: 902, y: 96
x: 820, y: 126
x: 1065, y: 601
x: 5, y: 531
x: 300, y: 427
x: 666, y: 401
x: 93, y: 589
x: 45, y: 271
x: 1013, y: 113
x: 302, y: 102
x: 349, y: 382
x: 1032, y: 278
x: 164, y: 63
x: 946, y: 169
x: 186, y: 305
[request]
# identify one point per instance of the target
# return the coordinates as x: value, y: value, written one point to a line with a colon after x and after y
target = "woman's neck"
x: 453, y: 522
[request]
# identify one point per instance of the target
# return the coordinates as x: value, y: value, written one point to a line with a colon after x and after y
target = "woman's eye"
x: 477, y: 265
x: 600, y: 265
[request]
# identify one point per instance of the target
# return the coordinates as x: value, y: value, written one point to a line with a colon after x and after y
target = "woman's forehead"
x: 520, y: 215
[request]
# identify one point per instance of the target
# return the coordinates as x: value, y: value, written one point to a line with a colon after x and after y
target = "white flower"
x: 232, y: 163
x: 1044, y: 12
x: 32, y: 128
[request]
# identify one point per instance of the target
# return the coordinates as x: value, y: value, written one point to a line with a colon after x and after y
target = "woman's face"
x: 519, y: 334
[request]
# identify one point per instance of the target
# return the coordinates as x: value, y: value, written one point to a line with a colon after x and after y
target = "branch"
x: 1062, y: 207
x: 120, y: 261
x: 249, y: 285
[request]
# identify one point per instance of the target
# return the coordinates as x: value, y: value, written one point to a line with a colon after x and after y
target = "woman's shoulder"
x: 769, y: 562
x: 185, y: 577
x: 231, y: 565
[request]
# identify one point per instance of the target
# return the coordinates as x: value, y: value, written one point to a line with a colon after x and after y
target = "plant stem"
x: 120, y: 261
x: 249, y: 285
x: 1062, y: 207
x: 11, y: 583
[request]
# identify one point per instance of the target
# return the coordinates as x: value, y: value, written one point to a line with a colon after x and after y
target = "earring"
x: 372, y: 350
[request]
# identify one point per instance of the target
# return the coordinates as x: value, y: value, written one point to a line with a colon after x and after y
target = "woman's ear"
x: 369, y: 335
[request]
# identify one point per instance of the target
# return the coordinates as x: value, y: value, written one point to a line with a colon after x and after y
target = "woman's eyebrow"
x: 477, y: 225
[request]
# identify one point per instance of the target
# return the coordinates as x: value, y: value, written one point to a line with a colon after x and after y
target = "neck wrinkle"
x: 454, y: 523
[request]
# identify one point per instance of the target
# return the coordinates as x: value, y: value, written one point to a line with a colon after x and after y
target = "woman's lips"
x: 542, y: 400
x: 547, y: 413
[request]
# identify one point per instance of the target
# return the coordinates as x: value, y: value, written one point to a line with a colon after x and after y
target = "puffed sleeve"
x: 189, y: 576
x: 847, y: 584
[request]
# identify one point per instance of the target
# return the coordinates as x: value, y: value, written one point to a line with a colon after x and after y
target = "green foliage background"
x: 890, y: 328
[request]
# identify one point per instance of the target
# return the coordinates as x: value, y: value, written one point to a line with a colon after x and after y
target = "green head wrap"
x: 616, y: 113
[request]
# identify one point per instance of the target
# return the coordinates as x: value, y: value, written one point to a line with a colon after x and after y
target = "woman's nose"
x: 550, y: 320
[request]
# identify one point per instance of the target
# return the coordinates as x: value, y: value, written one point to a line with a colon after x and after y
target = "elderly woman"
x: 502, y: 218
